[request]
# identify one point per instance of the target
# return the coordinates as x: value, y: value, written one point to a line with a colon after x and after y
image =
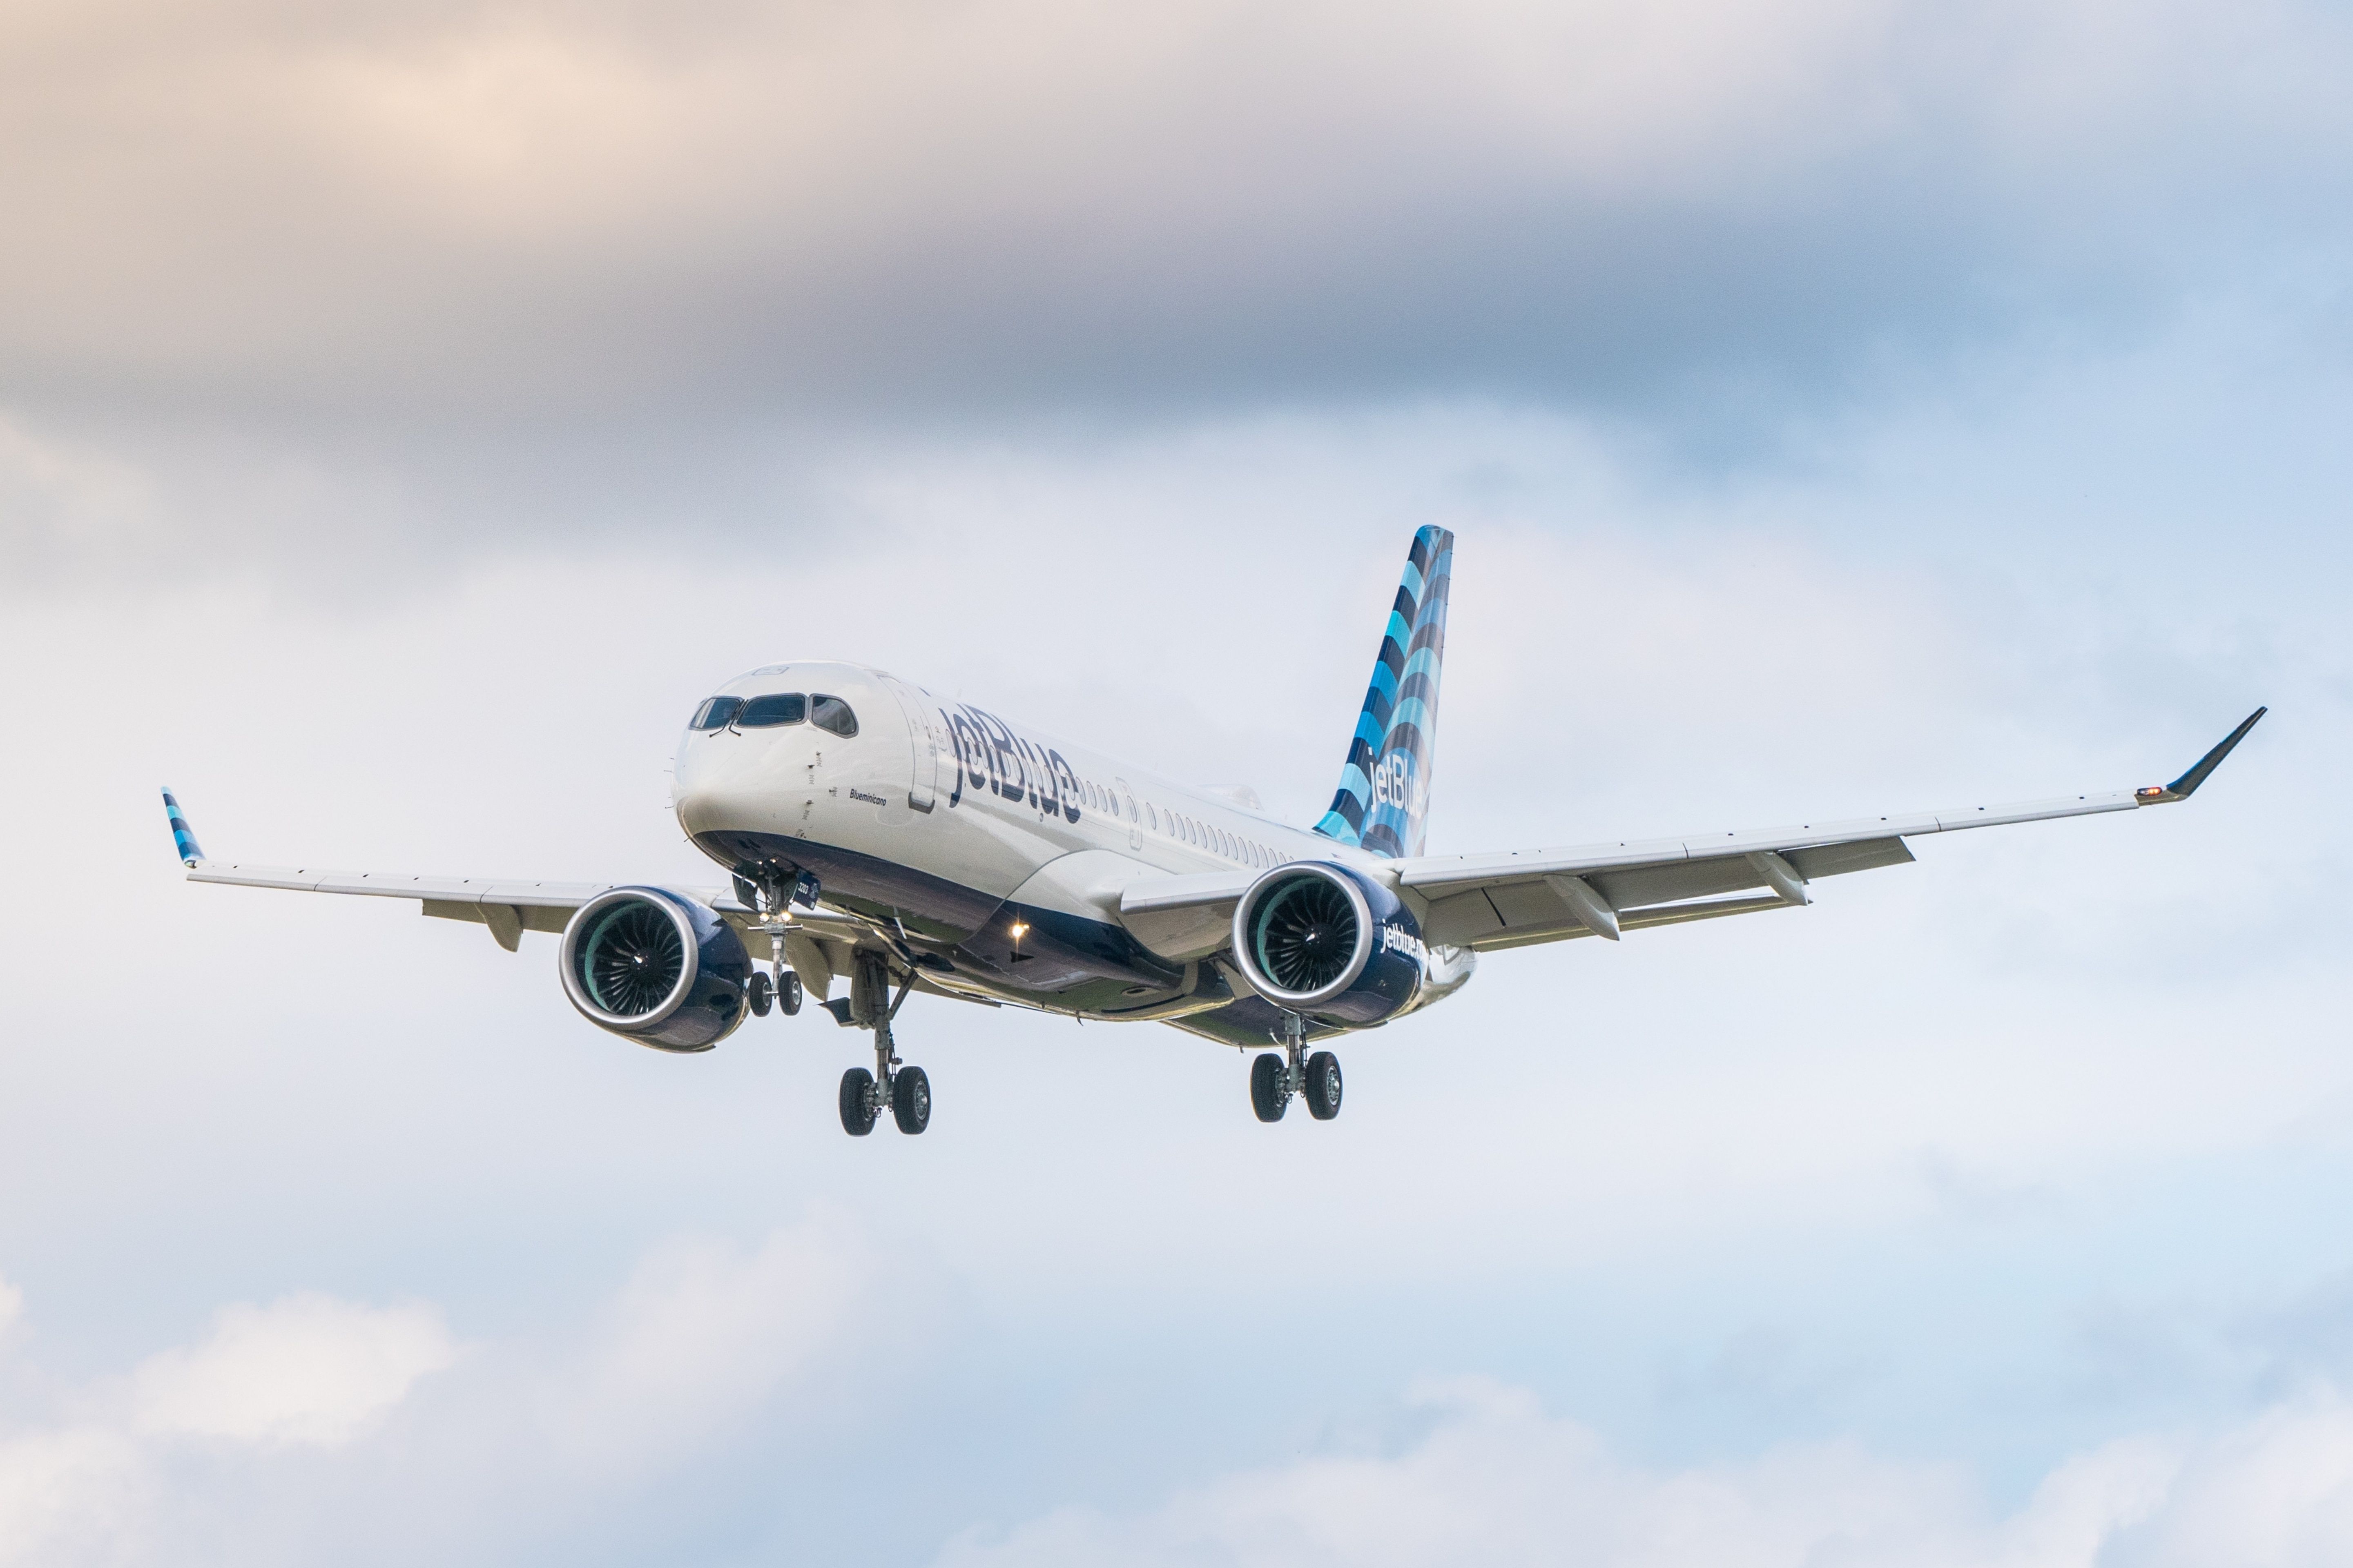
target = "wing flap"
x: 1630, y: 920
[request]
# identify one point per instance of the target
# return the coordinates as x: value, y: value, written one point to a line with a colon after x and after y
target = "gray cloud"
x: 441, y: 215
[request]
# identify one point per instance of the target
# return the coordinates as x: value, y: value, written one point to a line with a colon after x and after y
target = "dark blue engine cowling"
x: 656, y: 965
x: 1320, y: 939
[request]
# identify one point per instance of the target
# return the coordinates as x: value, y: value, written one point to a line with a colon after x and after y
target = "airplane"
x: 882, y: 836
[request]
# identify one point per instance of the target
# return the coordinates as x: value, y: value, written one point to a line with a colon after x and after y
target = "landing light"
x: 1019, y: 930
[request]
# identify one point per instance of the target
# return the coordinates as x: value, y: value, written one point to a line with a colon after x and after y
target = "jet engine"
x: 1322, y: 939
x: 658, y: 966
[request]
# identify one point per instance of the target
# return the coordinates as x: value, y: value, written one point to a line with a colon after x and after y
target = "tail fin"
x: 1383, y: 794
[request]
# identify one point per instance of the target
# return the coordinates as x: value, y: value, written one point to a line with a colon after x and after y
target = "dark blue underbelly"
x: 950, y: 926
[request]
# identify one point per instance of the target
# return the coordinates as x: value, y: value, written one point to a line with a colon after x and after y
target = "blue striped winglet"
x: 190, y: 850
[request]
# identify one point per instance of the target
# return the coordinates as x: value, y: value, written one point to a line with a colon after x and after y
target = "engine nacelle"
x: 1320, y: 939
x: 658, y: 966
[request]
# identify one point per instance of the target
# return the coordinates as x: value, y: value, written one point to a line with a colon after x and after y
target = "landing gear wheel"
x: 1270, y: 1096
x: 858, y: 1102
x: 759, y: 995
x: 1323, y: 1086
x: 789, y: 997
x: 910, y: 1100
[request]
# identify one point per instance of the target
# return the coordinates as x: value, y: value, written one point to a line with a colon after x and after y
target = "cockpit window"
x: 716, y: 713
x: 776, y: 707
x: 832, y: 713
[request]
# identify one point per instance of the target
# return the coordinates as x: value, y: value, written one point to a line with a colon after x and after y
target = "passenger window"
x: 832, y: 713
x: 716, y: 713
x: 774, y: 708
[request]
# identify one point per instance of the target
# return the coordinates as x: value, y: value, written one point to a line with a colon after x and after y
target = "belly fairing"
x: 1051, y: 957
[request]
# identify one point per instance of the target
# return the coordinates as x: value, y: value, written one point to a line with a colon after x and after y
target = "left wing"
x: 1518, y: 897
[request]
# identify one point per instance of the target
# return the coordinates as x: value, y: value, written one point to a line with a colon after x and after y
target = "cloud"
x: 704, y: 1335
x: 1494, y: 1479
x: 304, y: 1425
x: 447, y: 213
x: 306, y: 1369
x: 76, y: 1494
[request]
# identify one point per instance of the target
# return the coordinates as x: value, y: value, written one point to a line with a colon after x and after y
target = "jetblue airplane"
x: 886, y: 840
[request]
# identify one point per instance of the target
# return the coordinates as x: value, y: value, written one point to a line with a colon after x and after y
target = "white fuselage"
x: 941, y: 817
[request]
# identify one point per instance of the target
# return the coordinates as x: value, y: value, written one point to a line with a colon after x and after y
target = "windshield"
x: 832, y: 713
x: 716, y: 713
x: 776, y: 707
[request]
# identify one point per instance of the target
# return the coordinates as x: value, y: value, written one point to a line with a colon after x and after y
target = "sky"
x: 409, y: 411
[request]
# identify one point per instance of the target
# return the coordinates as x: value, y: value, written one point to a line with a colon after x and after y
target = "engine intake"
x: 1317, y: 938
x: 657, y: 966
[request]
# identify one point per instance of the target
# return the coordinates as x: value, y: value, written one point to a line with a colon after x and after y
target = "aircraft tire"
x: 858, y: 1102
x: 910, y: 1100
x: 1268, y: 1097
x: 759, y: 995
x: 1322, y: 1087
x: 789, y: 998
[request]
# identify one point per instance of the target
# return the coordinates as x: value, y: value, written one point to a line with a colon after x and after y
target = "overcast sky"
x: 408, y: 412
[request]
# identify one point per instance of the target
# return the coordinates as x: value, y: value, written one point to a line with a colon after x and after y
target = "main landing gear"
x: 904, y: 1091
x: 1275, y: 1078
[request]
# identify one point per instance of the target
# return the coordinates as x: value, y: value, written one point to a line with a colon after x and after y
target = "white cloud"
x: 705, y: 1332
x: 288, y: 1403
x: 1496, y: 1481
x: 78, y: 1494
x: 2277, y: 1491
x: 306, y: 1369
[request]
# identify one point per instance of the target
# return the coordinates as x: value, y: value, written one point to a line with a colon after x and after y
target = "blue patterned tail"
x: 190, y: 851
x: 1384, y: 797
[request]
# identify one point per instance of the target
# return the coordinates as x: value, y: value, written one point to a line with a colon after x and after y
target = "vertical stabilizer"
x: 1383, y: 801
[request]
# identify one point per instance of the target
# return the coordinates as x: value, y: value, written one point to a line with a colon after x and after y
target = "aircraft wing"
x: 1517, y: 898
x: 508, y: 908
x: 1523, y: 896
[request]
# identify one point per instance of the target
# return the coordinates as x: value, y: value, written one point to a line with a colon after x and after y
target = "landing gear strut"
x: 780, y: 987
x: 906, y: 1091
x: 1274, y: 1080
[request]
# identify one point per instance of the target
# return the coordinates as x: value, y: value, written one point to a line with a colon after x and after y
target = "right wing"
x: 819, y: 948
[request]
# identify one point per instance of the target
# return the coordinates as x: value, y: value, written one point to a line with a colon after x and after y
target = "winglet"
x: 191, y: 852
x: 2187, y: 785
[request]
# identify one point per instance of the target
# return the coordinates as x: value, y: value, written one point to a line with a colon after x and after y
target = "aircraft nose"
x: 720, y: 785
x: 697, y: 794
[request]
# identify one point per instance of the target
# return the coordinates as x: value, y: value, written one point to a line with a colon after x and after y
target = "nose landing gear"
x: 1275, y: 1078
x: 780, y: 987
